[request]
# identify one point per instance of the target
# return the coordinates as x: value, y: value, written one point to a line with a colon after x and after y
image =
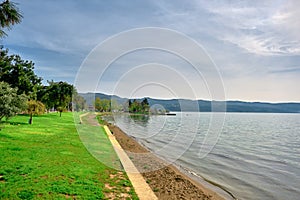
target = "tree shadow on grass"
x: 17, y: 123
x: 45, y: 115
x: 3, y: 123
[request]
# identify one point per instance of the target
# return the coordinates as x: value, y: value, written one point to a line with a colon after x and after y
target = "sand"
x: 164, y: 179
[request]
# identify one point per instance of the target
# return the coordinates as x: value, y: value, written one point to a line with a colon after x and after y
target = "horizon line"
x: 184, y: 98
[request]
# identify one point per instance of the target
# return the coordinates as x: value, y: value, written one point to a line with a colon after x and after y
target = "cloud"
x: 265, y: 45
x: 287, y: 19
x: 289, y: 70
x: 250, y: 41
x: 259, y: 28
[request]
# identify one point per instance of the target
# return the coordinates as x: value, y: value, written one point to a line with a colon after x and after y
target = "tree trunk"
x: 60, y: 114
x: 30, y: 119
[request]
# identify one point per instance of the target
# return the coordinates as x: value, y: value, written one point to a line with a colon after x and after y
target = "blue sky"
x: 254, y: 44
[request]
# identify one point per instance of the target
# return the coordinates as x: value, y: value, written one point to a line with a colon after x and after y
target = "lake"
x: 251, y: 155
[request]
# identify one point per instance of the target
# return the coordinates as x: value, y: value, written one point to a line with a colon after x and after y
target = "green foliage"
x: 106, y: 105
x: 115, y: 106
x: 47, y: 160
x: 97, y: 104
x: 138, y: 107
x: 57, y: 95
x: 9, y: 15
x: 10, y: 102
x: 100, y: 120
x: 35, y: 108
x: 60, y: 109
x: 79, y: 103
x: 19, y: 73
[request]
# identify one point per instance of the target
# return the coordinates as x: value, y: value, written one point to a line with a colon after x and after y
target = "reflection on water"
x: 139, y: 119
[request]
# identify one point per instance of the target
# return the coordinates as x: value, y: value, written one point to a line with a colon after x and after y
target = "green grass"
x: 47, y: 160
x: 91, y: 139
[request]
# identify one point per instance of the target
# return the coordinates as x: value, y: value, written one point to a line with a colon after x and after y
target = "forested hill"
x: 206, y: 106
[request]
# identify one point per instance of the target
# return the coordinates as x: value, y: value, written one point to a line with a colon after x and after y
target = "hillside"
x: 206, y: 106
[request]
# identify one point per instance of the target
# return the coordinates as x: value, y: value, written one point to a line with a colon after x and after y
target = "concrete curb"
x: 142, y: 189
x: 82, y: 115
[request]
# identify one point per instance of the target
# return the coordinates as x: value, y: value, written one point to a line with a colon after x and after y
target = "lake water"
x: 254, y: 156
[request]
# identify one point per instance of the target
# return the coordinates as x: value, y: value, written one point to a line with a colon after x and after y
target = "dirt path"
x: 90, y: 119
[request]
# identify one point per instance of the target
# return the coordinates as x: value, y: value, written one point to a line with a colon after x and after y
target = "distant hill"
x: 206, y: 106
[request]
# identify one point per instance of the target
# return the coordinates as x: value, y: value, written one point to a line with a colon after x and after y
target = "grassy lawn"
x: 47, y: 160
x: 105, y: 152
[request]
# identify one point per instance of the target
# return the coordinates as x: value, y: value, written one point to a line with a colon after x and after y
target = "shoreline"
x: 168, y: 181
x: 207, y: 183
x: 199, y: 179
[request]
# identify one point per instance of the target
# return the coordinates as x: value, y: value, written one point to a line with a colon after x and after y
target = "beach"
x: 165, y: 179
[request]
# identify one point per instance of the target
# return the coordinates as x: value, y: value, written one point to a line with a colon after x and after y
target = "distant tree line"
x: 131, y: 106
x: 107, y: 105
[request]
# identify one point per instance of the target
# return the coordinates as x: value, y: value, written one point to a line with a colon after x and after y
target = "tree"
x: 19, y: 73
x: 35, y: 108
x: 60, y: 109
x: 135, y: 106
x: 98, y: 104
x: 43, y: 96
x: 115, y: 106
x: 103, y: 105
x: 64, y: 94
x: 79, y: 103
x: 126, y: 105
x: 106, y: 105
x: 9, y: 15
x: 57, y: 95
x: 139, y: 107
x: 145, y: 105
x: 10, y: 102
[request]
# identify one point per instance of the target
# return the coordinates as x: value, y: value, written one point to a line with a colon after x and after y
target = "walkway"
x: 142, y: 189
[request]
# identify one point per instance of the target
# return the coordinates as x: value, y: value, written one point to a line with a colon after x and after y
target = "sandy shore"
x: 164, y: 179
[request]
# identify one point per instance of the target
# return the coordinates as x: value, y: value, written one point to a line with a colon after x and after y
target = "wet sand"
x: 164, y: 179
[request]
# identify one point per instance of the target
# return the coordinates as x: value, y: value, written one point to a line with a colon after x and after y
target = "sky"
x: 248, y: 50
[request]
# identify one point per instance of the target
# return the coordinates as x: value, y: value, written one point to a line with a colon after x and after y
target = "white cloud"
x: 248, y: 40
x: 262, y: 29
x: 264, y: 45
